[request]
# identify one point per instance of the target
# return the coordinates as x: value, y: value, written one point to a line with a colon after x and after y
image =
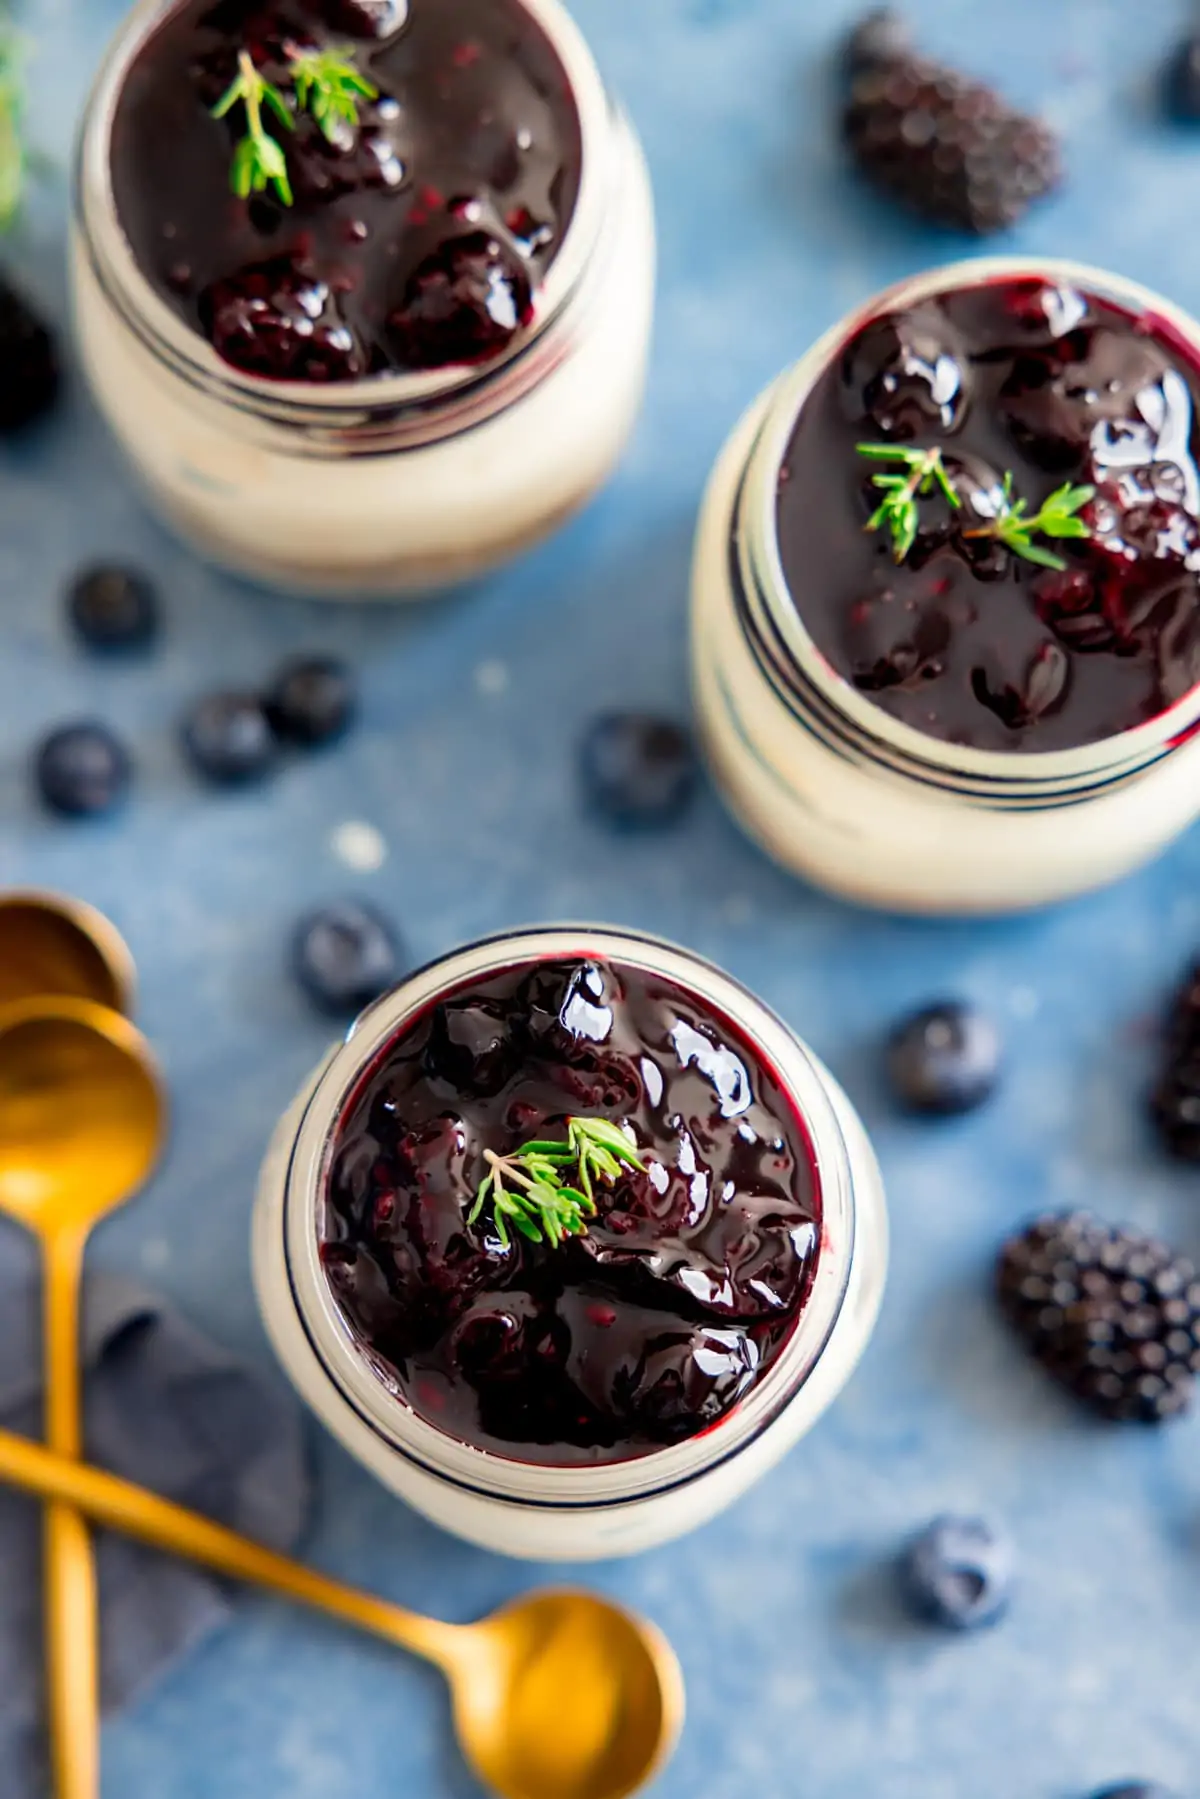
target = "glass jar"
x: 856, y: 800
x: 391, y: 484
x: 573, y: 1513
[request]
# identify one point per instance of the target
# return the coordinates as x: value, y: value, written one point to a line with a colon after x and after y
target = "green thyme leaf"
x: 898, y: 514
x: 12, y: 117
x: 531, y: 1190
x: 330, y: 87
x: 1057, y: 518
x: 259, y: 161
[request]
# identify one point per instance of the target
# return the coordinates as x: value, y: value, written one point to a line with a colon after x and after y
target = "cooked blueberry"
x: 906, y: 374
x: 29, y: 371
x: 638, y: 769
x: 1181, y: 81
x: 471, y: 1046
x: 277, y: 321
x: 82, y: 770
x: 345, y: 956
x: 880, y: 37
x: 113, y: 608
x: 368, y: 18
x: 228, y: 738
x: 464, y: 303
x: 959, y: 1572
x: 944, y: 1058
x: 313, y: 700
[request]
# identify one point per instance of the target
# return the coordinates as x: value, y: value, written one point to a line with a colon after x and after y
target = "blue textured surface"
x: 804, y: 1677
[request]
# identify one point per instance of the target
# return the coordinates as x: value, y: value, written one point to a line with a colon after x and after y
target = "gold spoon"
x: 82, y: 1117
x: 52, y: 944
x: 558, y: 1696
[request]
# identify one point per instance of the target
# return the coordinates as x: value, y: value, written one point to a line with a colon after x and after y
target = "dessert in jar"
x: 570, y: 1241
x: 363, y: 287
x: 946, y: 593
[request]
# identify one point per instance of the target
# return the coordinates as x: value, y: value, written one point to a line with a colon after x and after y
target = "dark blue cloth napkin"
x: 169, y: 1409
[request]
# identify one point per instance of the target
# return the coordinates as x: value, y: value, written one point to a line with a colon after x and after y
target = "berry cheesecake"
x: 947, y: 593
x: 570, y: 1241
x: 379, y: 318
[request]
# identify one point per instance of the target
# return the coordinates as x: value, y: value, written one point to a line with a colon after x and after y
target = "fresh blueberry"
x: 1135, y: 1789
x: 345, y: 956
x: 113, y: 608
x: 944, y: 1059
x: 959, y: 1572
x: 228, y: 738
x: 638, y: 769
x: 313, y: 700
x: 1181, y: 81
x: 82, y: 770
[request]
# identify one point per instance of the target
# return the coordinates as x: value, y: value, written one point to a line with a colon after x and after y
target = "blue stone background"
x: 806, y: 1681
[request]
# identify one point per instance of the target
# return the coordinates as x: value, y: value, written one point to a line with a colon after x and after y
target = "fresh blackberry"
x: 1175, y: 1101
x: 1112, y: 1315
x: 947, y: 145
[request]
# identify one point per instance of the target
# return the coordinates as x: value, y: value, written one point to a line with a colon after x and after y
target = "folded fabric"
x: 169, y: 1409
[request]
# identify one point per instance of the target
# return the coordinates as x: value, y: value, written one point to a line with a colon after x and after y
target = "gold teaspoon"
x: 560, y: 1695
x: 82, y: 1119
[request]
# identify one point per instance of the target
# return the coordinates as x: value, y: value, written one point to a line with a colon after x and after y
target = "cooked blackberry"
x: 1113, y: 1315
x: 946, y: 145
x: 1175, y: 1101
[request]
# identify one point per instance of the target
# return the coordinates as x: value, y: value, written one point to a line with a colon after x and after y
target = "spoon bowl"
x: 563, y: 1695
x: 81, y: 1112
x: 50, y: 944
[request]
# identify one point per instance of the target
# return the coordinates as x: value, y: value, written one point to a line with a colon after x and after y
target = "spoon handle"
x: 137, y: 1513
x: 72, y: 1675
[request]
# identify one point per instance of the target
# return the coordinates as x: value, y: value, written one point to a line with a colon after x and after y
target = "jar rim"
x: 171, y: 339
x: 761, y: 565
x: 485, y: 1471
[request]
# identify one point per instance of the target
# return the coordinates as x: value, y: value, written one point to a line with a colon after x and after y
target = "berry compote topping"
x: 1024, y: 388
x: 683, y: 1292
x: 416, y: 237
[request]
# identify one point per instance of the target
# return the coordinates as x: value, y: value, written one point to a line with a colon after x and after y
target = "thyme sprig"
x: 325, y: 83
x: 330, y: 87
x: 258, y: 158
x: 547, y: 1189
x: 1056, y: 518
x: 897, y: 512
x: 12, y: 120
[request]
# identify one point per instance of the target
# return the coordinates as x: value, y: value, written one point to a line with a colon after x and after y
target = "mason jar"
x: 392, y: 484
x: 572, y: 1513
x: 858, y: 801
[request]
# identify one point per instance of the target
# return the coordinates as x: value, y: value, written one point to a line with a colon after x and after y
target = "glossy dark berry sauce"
x: 966, y: 640
x: 417, y: 240
x: 685, y: 1289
